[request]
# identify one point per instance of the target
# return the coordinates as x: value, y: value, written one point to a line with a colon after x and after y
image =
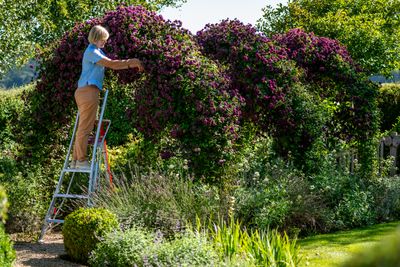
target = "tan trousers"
x: 87, y: 100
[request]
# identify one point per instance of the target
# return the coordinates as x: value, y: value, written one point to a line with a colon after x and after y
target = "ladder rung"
x: 78, y: 170
x: 105, y: 122
x: 54, y: 221
x: 92, y: 138
x: 71, y: 196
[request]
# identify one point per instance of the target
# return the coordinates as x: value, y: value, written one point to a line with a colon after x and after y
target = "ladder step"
x: 71, y: 196
x: 92, y: 138
x: 54, y: 221
x: 77, y: 170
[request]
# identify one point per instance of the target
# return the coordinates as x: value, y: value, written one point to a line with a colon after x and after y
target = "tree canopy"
x: 369, y: 28
x: 29, y: 25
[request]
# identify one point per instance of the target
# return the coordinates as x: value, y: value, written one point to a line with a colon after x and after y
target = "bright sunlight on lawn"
x: 333, y: 249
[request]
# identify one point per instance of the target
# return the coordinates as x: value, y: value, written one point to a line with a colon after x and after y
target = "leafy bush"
x: 355, y: 208
x: 264, y: 205
x: 388, y: 103
x: 386, y: 253
x: 163, y: 200
x: 257, y: 68
x: 11, y: 111
x: 194, y: 106
x: 122, y: 248
x: 190, y: 249
x: 7, y: 252
x: 137, y: 247
x: 84, y: 228
x: 386, y: 192
x: 29, y: 188
x: 279, y: 196
x: 333, y: 76
x: 273, y: 193
x: 120, y: 107
x: 348, y: 201
x: 26, y: 169
x: 267, y: 193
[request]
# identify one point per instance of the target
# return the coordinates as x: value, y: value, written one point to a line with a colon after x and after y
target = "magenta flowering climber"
x: 317, y: 55
x: 180, y: 92
x: 332, y: 74
x: 254, y: 65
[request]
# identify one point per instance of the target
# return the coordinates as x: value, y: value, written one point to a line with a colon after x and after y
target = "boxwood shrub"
x: 84, y: 228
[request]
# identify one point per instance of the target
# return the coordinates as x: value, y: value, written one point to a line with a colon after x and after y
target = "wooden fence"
x: 388, y: 147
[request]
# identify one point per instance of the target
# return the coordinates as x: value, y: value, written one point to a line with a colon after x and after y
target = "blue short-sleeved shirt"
x: 92, y: 73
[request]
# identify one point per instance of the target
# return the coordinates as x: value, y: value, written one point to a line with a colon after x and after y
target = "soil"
x: 50, y: 253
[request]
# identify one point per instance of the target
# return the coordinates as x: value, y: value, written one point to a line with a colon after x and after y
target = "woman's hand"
x: 135, y: 63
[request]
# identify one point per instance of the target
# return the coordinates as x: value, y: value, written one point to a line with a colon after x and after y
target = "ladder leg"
x: 107, y: 164
x: 46, y: 223
x: 96, y: 146
x: 66, y: 162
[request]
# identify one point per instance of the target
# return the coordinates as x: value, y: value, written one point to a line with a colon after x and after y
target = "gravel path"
x: 46, y: 254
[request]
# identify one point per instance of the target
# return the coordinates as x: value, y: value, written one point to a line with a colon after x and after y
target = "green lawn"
x: 333, y: 249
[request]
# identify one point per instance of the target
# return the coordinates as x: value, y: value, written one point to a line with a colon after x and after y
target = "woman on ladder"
x: 90, y: 84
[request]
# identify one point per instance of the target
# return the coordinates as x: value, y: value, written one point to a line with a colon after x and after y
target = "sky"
x: 195, y: 14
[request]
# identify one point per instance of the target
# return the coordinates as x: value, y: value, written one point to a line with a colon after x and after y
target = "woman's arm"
x: 120, y: 64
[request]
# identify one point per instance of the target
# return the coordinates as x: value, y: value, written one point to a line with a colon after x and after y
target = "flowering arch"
x: 182, y: 95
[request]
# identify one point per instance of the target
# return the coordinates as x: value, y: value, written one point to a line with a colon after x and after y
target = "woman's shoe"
x: 82, y: 164
x: 72, y: 164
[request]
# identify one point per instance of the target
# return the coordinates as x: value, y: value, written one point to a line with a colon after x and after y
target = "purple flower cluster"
x: 331, y: 73
x: 317, y: 55
x: 255, y: 66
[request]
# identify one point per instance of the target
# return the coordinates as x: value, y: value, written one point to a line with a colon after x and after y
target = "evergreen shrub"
x: 84, y: 228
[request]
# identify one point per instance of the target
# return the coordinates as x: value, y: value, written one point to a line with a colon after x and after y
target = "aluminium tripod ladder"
x: 98, y: 164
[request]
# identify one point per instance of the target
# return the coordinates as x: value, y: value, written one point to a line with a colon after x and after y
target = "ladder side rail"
x: 66, y: 162
x: 92, y: 165
x: 51, y: 207
x: 106, y: 131
x: 106, y: 164
x: 101, y: 149
x: 97, y: 170
x: 103, y: 154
